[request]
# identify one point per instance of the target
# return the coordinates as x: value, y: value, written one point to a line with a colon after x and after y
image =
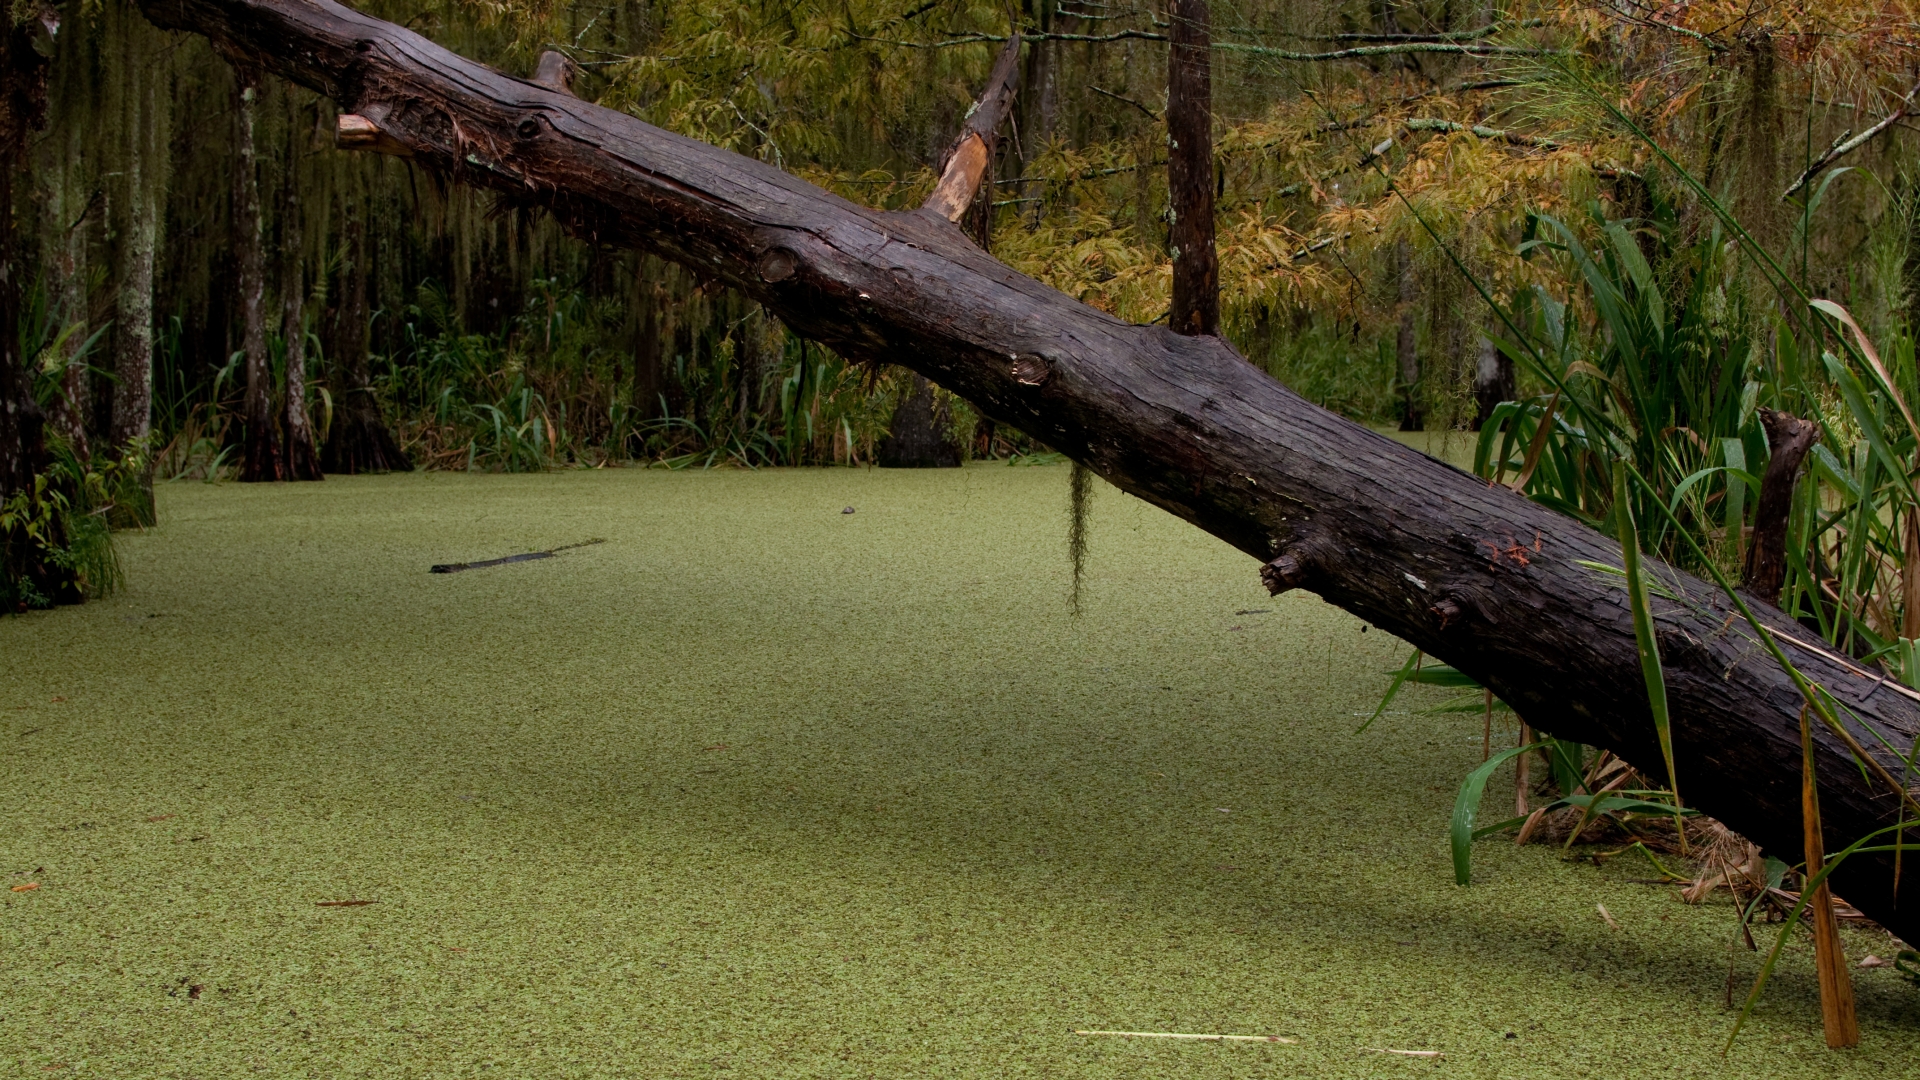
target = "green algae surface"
x: 761, y: 788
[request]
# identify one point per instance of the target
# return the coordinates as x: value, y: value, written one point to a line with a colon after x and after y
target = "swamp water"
x: 760, y: 788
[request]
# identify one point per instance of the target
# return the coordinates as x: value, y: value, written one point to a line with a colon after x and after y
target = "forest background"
x: 1598, y: 223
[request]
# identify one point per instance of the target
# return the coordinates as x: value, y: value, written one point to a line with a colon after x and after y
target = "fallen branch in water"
x: 456, y: 567
x: 1197, y: 1038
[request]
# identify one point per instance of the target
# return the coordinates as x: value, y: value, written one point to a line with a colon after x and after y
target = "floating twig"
x: 1404, y: 1053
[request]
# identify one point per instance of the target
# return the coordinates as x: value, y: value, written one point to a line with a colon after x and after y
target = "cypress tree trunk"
x: 64, y: 266
x: 261, y: 461
x: 139, y: 65
x: 643, y: 397
x: 359, y: 441
x: 917, y: 438
x: 133, y: 311
x: 22, y: 425
x: 69, y: 202
x: 1492, y: 380
x: 26, y: 576
x: 302, y: 460
x: 1413, y: 416
x: 1042, y: 77
x: 1190, y: 178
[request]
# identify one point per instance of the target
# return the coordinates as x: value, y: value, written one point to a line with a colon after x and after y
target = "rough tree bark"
x: 917, y: 437
x: 1196, y: 266
x: 23, y: 73
x: 302, y: 460
x: 144, y: 124
x: 70, y: 205
x: 1474, y: 574
x: 358, y: 441
x: 260, y: 460
x: 27, y: 576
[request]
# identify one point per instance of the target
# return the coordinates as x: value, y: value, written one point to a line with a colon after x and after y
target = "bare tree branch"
x: 1843, y: 146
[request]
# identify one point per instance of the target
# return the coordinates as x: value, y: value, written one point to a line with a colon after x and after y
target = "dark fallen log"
x: 1473, y: 574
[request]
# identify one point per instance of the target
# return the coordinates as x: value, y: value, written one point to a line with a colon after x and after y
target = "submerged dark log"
x: 1474, y: 574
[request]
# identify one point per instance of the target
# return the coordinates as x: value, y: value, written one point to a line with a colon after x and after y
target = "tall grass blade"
x: 1465, y: 806
x: 1815, y: 879
x: 1406, y: 672
x: 1643, y: 631
x: 1829, y: 957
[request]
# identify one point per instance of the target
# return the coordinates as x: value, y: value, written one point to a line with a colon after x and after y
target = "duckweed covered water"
x: 759, y: 788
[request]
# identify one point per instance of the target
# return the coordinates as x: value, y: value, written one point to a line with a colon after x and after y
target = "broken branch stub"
x: 352, y: 131
x: 967, y: 162
x: 1789, y: 438
x: 555, y: 72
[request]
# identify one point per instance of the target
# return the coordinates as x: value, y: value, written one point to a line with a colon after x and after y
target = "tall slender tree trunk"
x: 140, y: 67
x: 26, y: 575
x: 22, y: 424
x: 261, y: 460
x: 359, y: 441
x: 1413, y: 416
x: 1492, y: 380
x: 1041, y: 106
x: 70, y: 203
x: 644, y: 395
x: 1190, y: 177
x: 64, y: 230
x: 302, y: 460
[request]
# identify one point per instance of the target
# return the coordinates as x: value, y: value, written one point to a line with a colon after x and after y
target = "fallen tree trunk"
x: 1473, y: 574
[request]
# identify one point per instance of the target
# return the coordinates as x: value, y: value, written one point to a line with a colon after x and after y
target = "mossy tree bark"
x: 139, y: 67
x: 260, y: 460
x: 70, y: 203
x: 1476, y: 575
x: 302, y: 461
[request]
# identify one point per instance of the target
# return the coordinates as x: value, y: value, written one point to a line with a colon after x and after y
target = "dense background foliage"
x: 1494, y: 217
